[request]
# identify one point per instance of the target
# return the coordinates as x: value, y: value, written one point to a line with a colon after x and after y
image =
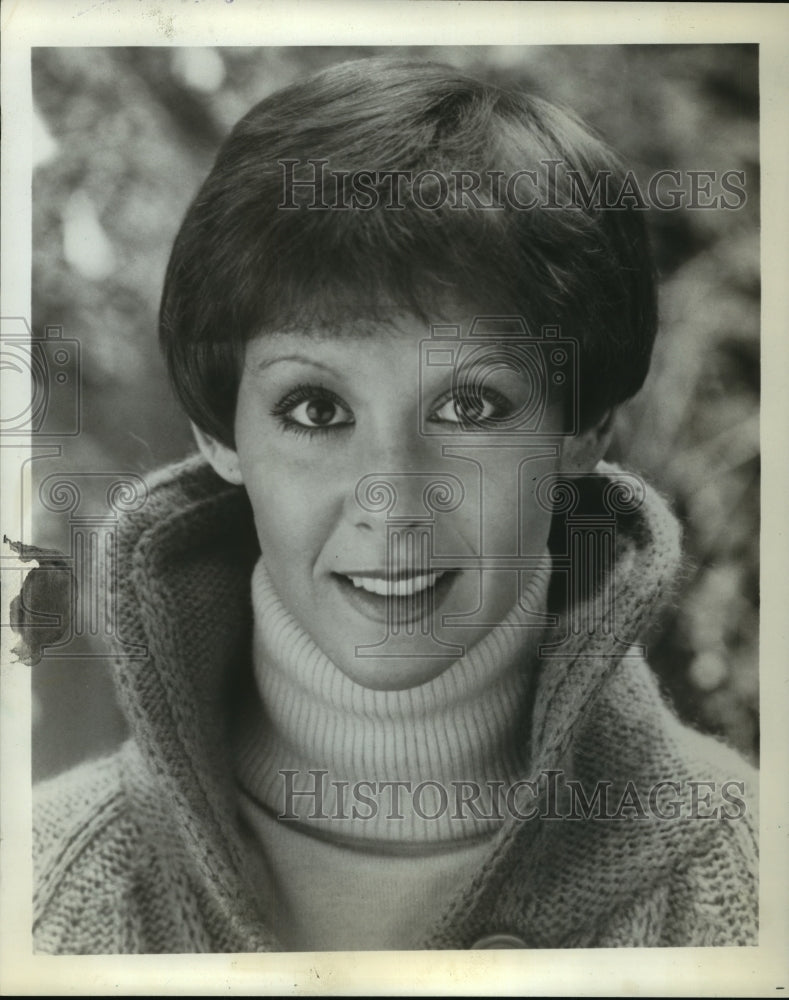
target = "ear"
x: 583, y: 451
x: 223, y: 459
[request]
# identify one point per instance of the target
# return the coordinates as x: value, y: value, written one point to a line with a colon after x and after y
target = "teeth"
x: 396, y: 588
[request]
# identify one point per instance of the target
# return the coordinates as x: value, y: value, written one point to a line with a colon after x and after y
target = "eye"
x: 472, y: 406
x: 319, y: 412
x: 312, y: 408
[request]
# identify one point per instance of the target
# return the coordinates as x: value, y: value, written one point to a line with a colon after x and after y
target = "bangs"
x: 333, y: 272
x: 380, y: 188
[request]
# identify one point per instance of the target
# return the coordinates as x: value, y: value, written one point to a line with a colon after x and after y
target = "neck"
x: 313, y: 730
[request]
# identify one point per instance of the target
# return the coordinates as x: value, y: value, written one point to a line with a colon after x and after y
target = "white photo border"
x: 757, y: 971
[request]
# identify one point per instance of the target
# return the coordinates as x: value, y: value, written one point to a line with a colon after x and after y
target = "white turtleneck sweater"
x: 370, y: 865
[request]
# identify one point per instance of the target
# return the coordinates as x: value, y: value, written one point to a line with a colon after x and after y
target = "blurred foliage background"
x: 124, y: 136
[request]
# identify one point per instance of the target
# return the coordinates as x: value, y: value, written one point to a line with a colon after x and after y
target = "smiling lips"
x: 406, y: 586
x: 404, y: 598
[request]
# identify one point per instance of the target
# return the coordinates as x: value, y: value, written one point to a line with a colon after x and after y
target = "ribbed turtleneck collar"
x: 313, y: 729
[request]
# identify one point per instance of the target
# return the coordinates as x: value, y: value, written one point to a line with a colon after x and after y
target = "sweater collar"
x: 315, y: 731
x: 187, y: 604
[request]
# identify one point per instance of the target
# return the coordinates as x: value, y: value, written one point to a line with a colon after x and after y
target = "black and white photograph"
x: 384, y: 569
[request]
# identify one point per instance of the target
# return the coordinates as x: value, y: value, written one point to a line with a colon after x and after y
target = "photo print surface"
x: 393, y: 566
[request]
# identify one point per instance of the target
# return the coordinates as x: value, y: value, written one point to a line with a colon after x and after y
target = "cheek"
x: 292, y: 510
x: 289, y: 484
x: 514, y: 519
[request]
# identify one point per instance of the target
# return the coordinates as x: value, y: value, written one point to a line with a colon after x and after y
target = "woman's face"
x: 391, y: 491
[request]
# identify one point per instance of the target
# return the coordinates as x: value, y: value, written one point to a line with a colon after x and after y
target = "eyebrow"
x: 303, y: 359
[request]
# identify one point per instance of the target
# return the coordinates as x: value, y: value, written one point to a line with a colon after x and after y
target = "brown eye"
x: 320, y: 412
x: 463, y: 409
x: 473, y: 409
x: 311, y: 408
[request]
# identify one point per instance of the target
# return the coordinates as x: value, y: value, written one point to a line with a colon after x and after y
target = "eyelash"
x: 300, y: 394
x: 304, y: 392
x: 465, y: 393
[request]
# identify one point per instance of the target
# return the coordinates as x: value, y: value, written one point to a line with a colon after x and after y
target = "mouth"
x: 398, y: 598
x: 396, y: 586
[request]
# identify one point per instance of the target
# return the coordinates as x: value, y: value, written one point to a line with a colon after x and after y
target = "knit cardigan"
x: 142, y: 852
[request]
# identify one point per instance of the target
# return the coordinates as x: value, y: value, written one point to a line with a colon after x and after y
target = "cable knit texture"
x: 144, y: 851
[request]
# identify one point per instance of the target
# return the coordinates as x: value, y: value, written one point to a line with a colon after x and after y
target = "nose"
x: 403, y: 485
x: 387, y: 496
x: 403, y: 498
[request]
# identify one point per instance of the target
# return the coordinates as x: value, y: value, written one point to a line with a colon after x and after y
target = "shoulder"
x: 81, y: 798
x: 84, y: 853
x: 695, y: 804
x: 714, y: 897
x: 101, y: 883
